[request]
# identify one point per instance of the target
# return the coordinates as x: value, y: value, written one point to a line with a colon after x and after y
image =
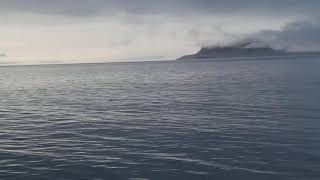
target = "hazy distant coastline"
x: 242, y: 51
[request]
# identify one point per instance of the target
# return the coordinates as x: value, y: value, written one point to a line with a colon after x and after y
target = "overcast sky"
x: 73, y: 31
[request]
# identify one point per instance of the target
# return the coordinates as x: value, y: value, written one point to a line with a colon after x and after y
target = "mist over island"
x: 243, y: 50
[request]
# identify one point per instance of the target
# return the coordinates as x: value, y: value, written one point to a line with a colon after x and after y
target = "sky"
x: 78, y: 31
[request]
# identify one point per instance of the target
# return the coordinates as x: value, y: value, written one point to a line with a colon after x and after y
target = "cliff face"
x: 236, y: 51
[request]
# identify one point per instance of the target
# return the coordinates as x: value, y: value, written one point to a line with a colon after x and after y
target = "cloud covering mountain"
x: 297, y: 36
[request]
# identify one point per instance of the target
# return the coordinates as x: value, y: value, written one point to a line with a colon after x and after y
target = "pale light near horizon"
x: 40, y: 33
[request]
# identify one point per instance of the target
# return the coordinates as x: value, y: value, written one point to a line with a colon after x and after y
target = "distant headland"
x: 245, y: 50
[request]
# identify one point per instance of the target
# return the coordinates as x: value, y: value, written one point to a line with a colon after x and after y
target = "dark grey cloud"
x: 94, y: 7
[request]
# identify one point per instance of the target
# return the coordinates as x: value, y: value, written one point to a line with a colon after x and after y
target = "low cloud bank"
x: 298, y: 36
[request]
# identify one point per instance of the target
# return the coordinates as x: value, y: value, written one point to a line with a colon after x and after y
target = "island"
x: 246, y: 50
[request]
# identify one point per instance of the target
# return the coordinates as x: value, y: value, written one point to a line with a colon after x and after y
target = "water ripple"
x: 209, y: 120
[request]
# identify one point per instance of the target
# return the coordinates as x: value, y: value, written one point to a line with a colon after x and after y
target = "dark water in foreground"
x: 248, y: 120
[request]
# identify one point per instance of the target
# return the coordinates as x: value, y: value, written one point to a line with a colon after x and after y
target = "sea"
x: 198, y: 120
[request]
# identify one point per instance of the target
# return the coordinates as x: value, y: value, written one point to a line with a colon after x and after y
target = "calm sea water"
x: 164, y: 120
